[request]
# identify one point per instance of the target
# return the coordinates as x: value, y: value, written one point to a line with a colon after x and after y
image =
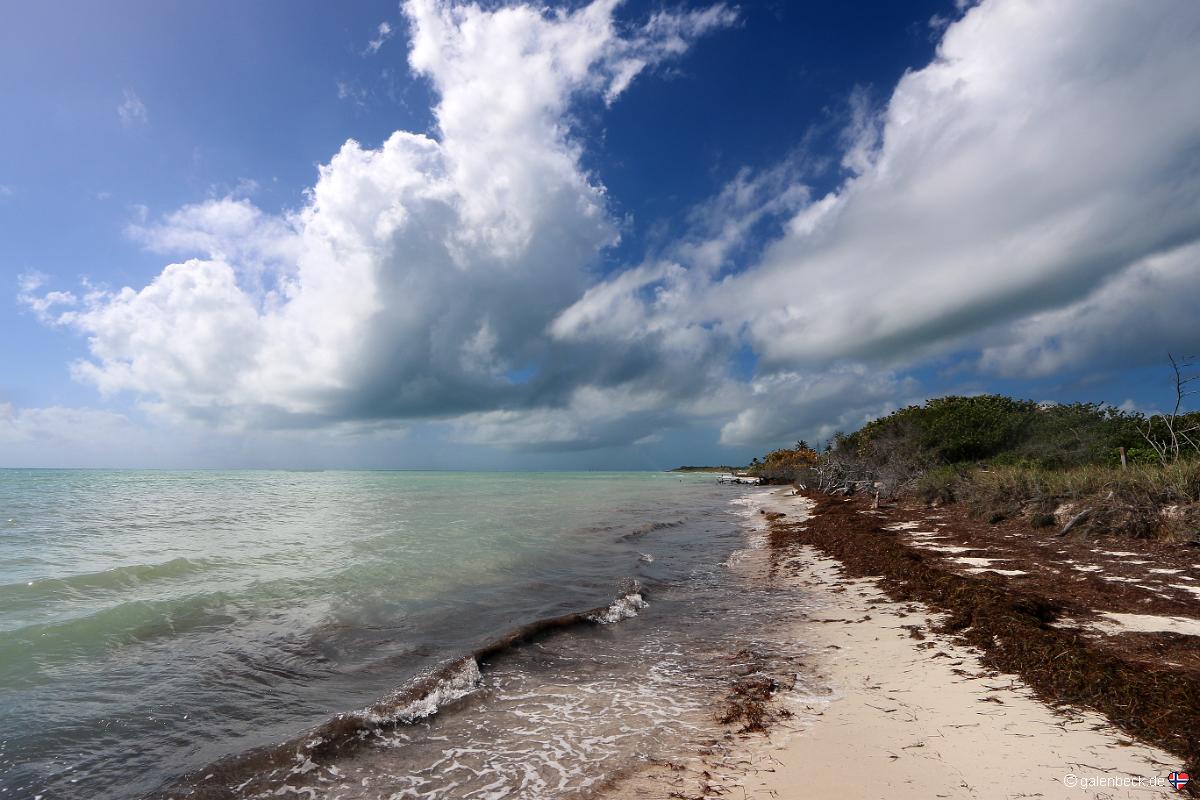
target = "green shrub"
x: 941, y: 484
x: 1008, y: 457
x: 950, y: 429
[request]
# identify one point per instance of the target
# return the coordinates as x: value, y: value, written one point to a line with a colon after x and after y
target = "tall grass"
x: 1141, y: 501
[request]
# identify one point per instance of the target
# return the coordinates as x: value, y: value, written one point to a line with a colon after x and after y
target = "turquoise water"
x: 152, y: 623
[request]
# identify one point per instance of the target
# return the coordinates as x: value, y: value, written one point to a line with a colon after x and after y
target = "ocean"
x: 368, y: 634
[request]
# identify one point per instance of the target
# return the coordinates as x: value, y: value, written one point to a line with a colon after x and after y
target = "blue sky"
x: 607, y: 235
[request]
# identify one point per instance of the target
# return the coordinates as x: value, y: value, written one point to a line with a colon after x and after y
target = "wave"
x: 267, y: 769
x: 38, y: 592
x: 650, y: 527
x: 624, y: 607
x: 22, y: 649
x: 463, y: 678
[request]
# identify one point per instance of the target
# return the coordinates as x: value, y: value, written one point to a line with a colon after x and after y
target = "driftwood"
x: 1075, y: 520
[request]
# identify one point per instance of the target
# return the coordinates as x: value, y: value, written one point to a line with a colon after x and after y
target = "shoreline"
x: 472, y: 688
x: 339, y: 737
x: 788, y: 672
x: 903, y: 707
x: 235, y: 667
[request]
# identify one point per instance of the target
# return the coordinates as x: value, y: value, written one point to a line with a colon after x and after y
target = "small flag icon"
x: 1178, y: 780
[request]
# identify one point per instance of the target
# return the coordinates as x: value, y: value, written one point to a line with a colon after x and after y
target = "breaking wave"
x: 265, y: 769
x: 624, y: 607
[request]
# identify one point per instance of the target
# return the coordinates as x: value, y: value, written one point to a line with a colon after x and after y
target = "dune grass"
x: 1141, y: 501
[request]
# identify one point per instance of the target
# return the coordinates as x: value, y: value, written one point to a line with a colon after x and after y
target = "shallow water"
x: 153, y: 623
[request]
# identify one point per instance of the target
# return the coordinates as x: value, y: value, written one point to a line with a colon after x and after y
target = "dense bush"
x: 786, y: 465
x: 952, y: 430
x: 1007, y: 457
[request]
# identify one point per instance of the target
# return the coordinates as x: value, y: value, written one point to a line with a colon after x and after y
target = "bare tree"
x: 1180, y: 428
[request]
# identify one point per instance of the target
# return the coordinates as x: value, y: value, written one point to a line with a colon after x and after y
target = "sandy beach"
x: 896, y: 709
x: 910, y: 722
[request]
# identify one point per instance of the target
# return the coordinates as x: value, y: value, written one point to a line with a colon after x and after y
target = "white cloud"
x: 654, y: 299
x: 43, y: 304
x: 787, y: 406
x: 1019, y: 198
x: 382, y: 34
x: 29, y: 425
x: 356, y: 94
x: 232, y: 230
x: 6, y: 190
x: 666, y: 34
x: 56, y: 436
x: 592, y: 417
x: 132, y: 111
x: 181, y: 338
x: 1047, y: 151
x: 861, y: 136
x: 1135, y: 318
x: 29, y: 282
x: 418, y: 273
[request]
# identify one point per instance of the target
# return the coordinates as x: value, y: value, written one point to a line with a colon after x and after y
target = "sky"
x: 605, y: 235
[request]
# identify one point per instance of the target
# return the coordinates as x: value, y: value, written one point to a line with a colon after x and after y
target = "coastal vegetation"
x: 1085, y: 467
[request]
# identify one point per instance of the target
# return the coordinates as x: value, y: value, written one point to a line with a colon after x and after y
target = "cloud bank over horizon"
x: 1024, y: 205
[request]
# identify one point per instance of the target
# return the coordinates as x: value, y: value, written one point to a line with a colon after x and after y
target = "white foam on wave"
x: 624, y: 607
x: 752, y: 502
x: 556, y: 735
x: 748, y: 507
x: 753, y: 508
x: 465, y: 679
x: 558, y: 719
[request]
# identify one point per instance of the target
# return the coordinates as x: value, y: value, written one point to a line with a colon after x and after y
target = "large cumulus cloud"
x: 1039, y: 160
x: 419, y: 277
x: 1049, y: 147
x: 1040, y: 175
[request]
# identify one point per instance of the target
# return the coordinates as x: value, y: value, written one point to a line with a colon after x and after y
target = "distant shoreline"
x: 707, y: 469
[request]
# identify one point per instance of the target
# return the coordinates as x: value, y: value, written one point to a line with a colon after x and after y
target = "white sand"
x: 907, y: 727
x: 944, y: 548
x: 1147, y: 623
x: 977, y: 562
